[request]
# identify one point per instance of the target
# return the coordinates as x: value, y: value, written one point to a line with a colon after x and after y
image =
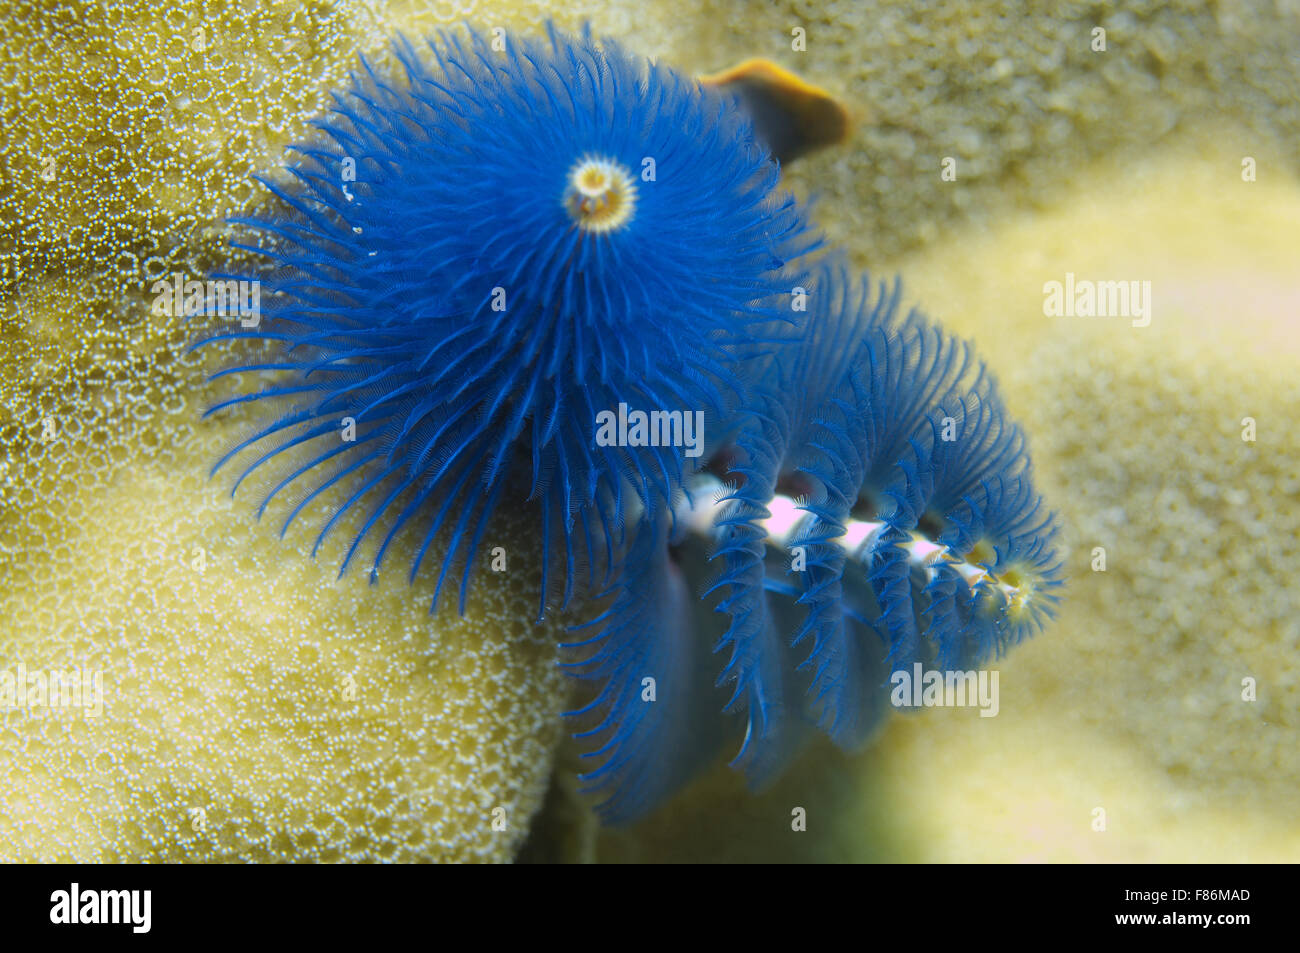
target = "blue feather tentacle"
x: 867, y: 415
x: 653, y: 719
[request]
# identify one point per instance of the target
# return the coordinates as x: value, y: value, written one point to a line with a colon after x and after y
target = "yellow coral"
x: 230, y: 730
x: 130, y: 134
x: 254, y: 708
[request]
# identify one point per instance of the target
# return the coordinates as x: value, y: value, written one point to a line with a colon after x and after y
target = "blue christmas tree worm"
x: 880, y: 512
x: 534, y: 234
x: 486, y: 258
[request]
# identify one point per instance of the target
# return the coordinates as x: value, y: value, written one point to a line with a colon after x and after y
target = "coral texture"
x: 253, y: 707
x: 226, y: 733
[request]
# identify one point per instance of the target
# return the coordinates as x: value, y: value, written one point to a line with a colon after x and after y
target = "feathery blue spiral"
x: 484, y: 250
x: 865, y: 414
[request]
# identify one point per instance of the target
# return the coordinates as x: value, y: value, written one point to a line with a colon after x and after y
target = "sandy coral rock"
x: 1012, y: 90
x: 130, y: 133
x: 254, y: 708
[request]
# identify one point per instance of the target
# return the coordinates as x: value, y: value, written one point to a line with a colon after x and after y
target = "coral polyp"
x: 462, y: 264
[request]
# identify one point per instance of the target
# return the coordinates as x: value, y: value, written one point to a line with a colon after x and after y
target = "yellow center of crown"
x: 601, y: 195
